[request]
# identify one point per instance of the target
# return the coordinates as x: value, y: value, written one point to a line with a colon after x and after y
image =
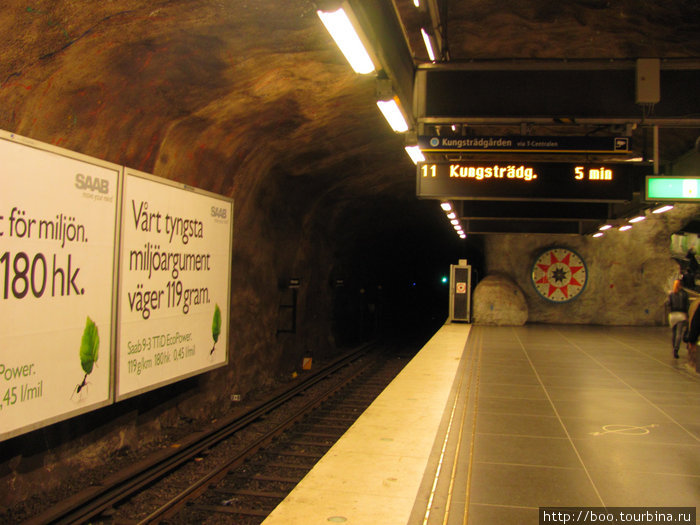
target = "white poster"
x: 174, y: 290
x: 58, y: 214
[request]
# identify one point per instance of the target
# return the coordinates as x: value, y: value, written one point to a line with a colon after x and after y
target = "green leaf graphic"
x: 216, y: 324
x: 89, y: 345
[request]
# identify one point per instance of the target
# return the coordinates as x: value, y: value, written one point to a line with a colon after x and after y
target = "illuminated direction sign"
x: 673, y: 189
x: 524, y: 144
x: 516, y: 180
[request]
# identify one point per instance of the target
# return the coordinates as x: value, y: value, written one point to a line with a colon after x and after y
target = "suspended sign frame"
x: 524, y: 144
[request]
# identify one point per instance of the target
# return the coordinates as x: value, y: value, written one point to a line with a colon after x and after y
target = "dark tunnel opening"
x: 395, y: 272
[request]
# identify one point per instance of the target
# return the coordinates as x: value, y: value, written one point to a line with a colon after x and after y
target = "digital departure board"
x: 517, y: 180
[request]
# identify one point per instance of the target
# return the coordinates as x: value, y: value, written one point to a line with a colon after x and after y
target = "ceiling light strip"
x: 348, y: 39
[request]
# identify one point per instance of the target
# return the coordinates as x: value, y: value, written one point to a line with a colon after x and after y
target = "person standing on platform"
x: 693, y: 333
x: 691, y: 271
x: 678, y: 315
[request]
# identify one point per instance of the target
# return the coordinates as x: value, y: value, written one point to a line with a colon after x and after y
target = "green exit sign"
x: 673, y: 189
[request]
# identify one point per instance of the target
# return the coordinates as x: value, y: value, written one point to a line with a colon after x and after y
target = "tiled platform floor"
x: 518, y: 418
x: 581, y: 416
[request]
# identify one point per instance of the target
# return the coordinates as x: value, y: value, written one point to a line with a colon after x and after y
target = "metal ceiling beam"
x: 516, y: 210
x: 480, y: 226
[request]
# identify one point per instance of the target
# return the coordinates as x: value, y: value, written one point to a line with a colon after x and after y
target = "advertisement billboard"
x: 58, y: 216
x: 174, y: 283
x: 113, y: 282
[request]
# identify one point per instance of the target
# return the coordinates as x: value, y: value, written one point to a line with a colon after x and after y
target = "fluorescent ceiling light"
x: 392, y: 113
x: 599, y: 234
x: 347, y: 39
x: 663, y: 209
x: 446, y: 206
x: 452, y: 215
x: 415, y: 153
x: 455, y: 221
x: 416, y: 3
x: 625, y: 228
x: 428, y: 44
x: 605, y: 227
x: 638, y: 218
x: 463, y: 235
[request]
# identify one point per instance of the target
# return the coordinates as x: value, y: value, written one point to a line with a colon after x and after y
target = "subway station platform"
x: 488, y: 424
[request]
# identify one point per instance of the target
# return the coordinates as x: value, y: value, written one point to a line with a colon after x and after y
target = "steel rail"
x: 96, y: 499
x: 198, y: 487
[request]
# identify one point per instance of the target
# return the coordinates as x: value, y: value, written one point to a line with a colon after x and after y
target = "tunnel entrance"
x: 393, y: 281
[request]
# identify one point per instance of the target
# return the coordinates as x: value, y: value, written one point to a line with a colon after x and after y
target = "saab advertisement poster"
x: 174, y: 291
x: 58, y: 216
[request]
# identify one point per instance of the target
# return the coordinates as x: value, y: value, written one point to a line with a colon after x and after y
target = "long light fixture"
x: 663, y: 209
x: 393, y: 114
x: 452, y: 217
x: 428, y: 44
x: 348, y: 40
x: 460, y: 231
x: 415, y: 153
x: 623, y: 227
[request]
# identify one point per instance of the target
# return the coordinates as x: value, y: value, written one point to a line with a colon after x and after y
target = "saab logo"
x: 218, y: 212
x: 86, y: 182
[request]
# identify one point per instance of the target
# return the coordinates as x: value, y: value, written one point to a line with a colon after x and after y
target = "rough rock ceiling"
x: 573, y: 29
x: 220, y: 93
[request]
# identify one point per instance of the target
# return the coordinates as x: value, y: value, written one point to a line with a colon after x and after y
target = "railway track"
x: 239, y: 471
x: 250, y: 493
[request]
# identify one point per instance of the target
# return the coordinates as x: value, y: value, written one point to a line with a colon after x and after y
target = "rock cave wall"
x: 203, y: 94
x: 629, y: 273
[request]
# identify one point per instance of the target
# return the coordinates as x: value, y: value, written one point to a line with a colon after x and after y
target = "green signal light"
x: 444, y: 279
